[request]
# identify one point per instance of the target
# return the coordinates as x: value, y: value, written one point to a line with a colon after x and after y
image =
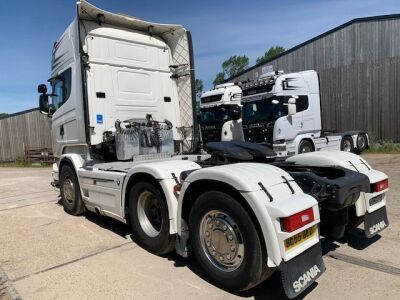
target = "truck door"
x: 65, y: 129
x: 292, y: 124
x: 293, y: 85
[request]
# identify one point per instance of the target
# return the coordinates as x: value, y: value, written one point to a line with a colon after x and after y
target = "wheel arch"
x: 75, y: 161
x: 304, y: 138
x: 196, y: 188
x: 135, y: 178
x: 165, y: 186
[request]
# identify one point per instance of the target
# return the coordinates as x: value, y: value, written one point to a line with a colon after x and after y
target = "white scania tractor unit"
x: 122, y: 109
x: 284, y: 110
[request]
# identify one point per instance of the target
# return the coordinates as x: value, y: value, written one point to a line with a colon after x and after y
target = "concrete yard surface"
x: 48, y: 254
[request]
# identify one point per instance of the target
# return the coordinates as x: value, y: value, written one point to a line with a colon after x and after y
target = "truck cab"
x: 284, y: 112
x: 220, y: 110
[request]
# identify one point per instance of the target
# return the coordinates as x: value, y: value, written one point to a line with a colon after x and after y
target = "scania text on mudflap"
x: 125, y: 135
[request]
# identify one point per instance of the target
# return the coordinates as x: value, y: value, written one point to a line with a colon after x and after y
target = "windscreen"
x: 263, y: 111
x: 216, y: 114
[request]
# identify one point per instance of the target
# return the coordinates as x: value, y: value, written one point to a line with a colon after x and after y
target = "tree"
x: 231, y: 67
x: 234, y: 65
x: 3, y: 115
x: 198, y: 87
x: 219, y: 78
x: 270, y: 54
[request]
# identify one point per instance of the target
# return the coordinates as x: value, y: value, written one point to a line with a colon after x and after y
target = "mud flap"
x: 300, y: 272
x: 375, y: 222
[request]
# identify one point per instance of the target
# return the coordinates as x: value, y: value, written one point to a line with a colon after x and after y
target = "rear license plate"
x: 376, y: 199
x: 300, y: 237
x: 375, y: 222
x: 301, y: 271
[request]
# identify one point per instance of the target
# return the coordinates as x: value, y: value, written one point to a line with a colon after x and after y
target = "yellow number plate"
x: 300, y: 237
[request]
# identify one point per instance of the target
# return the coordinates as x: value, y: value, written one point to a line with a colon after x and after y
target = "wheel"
x: 225, y: 242
x: 347, y: 144
x: 70, y: 192
x: 149, y: 218
x: 305, y: 146
x: 362, y: 142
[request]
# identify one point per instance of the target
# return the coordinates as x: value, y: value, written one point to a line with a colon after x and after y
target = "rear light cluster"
x: 380, y: 186
x: 297, y: 220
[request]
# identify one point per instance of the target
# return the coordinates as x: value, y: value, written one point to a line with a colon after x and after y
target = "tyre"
x: 70, y: 192
x: 225, y: 242
x: 362, y: 142
x: 347, y: 144
x: 149, y: 218
x: 305, y: 146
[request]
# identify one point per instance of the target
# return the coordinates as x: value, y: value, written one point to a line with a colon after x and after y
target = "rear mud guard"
x: 375, y: 222
x: 300, y: 272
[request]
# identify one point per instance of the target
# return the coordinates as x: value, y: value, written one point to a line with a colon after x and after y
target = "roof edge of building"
x: 19, y: 113
x: 351, y: 22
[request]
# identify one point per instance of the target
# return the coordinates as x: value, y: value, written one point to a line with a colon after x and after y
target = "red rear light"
x: 380, y: 186
x: 297, y: 220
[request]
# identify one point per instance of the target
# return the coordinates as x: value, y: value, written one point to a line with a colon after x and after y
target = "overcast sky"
x: 220, y: 29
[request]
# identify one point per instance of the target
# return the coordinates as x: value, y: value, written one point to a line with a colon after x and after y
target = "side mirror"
x: 42, y: 89
x: 44, y: 104
x: 275, y: 102
x: 291, y: 106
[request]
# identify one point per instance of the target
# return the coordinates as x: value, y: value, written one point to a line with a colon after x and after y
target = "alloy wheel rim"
x: 221, y: 240
x: 69, y: 190
x: 149, y: 213
x: 346, y: 146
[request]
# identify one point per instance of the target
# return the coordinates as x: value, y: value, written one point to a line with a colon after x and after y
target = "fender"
x: 164, y: 172
x: 328, y: 158
x: 73, y: 159
x: 350, y: 161
x: 294, y: 145
x: 246, y: 178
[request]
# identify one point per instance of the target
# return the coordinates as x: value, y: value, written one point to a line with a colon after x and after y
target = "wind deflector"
x: 89, y: 12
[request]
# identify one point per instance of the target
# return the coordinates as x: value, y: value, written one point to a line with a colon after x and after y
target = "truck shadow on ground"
x: 270, y: 289
x: 355, y: 239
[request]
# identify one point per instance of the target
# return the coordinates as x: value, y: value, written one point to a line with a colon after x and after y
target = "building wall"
x: 30, y: 128
x: 359, y: 70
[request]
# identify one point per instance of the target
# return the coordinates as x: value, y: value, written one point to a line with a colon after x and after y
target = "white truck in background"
x: 283, y: 111
x: 122, y: 130
x: 220, y: 114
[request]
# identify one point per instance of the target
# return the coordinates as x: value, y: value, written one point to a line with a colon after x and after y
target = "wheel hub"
x: 346, y: 146
x: 149, y: 213
x: 69, y: 190
x: 305, y: 149
x: 221, y: 240
x: 361, y: 142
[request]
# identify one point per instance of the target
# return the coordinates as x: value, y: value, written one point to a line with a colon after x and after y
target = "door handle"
x: 62, y: 130
x: 301, y: 125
